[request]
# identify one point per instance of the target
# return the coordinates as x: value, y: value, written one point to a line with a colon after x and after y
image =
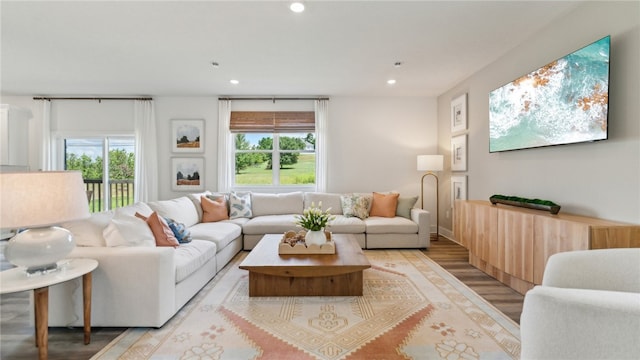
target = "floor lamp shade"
x: 36, y: 201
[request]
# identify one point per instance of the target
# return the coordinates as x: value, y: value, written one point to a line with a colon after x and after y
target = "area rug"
x: 411, y: 309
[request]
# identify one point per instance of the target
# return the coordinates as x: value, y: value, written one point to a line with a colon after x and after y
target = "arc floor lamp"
x: 431, y: 164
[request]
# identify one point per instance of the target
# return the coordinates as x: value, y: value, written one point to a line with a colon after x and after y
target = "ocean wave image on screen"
x: 563, y: 102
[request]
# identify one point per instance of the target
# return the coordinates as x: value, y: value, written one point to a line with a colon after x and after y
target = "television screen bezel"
x: 606, y: 136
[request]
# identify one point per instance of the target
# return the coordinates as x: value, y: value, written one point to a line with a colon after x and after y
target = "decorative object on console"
x: 38, y: 201
x: 430, y: 163
x: 459, y: 113
x: 187, y: 136
x: 537, y: 204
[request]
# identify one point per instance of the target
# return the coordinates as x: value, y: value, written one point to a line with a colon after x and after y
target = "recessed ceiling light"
x: 234, y: 81
x: 391, y: 81
x: 297, y: 7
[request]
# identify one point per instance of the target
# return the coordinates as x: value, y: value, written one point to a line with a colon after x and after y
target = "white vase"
x: 315, y: 237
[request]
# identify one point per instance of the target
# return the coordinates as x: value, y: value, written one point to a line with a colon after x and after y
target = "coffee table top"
x: 264, y: 259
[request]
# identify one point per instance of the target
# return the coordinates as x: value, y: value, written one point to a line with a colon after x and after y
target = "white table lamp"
x: 430, y: 164
x: 36, y: 201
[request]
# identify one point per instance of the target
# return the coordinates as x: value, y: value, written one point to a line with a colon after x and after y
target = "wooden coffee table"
x: 339, y: 274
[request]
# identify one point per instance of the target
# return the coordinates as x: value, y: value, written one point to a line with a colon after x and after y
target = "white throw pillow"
x: 88, y: 232
x: 125, y: 230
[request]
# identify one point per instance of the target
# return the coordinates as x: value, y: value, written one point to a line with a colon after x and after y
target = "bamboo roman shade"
x: 272, y: 121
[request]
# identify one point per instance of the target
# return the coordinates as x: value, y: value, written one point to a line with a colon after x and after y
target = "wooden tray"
x: 300, y: 248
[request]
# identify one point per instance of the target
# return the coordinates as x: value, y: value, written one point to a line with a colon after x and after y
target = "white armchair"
x: 588, y: 307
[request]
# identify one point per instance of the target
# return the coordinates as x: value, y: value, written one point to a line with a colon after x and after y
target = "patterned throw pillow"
x: 239, y: 205
x: 355, y: 205
x: 180, y: 231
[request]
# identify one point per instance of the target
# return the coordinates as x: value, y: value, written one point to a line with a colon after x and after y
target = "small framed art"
x: 459, y: 113
x: 187, y: 174
x: 459, y: 153
x: 187, y: 136
x: 458, y: 188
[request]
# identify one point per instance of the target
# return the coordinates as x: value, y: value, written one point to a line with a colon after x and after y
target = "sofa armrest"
x: 132, y: 285
x: 607, y: 269
x: 423, y: 219
x: 558, y: 323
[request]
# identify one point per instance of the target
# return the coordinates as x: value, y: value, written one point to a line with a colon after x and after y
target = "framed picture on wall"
x: 459, y: 113
x: 187, y: 136
x: 187, y: 173
x: 459, y: 153
x: 458, y: 188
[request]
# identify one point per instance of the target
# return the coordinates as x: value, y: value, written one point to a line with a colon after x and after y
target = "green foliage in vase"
x: 313, y: 218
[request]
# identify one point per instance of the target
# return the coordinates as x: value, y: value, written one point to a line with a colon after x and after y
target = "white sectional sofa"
x: 139, y: 284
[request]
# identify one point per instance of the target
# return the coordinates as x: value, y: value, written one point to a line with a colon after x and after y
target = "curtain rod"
x: 91, y: 98
x: 272, y: 98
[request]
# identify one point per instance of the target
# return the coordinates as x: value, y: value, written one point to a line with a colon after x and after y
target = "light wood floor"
x: 17, y: 341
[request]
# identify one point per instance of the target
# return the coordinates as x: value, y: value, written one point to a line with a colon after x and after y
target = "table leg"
x: 86, y: 298
x: 41, y: 300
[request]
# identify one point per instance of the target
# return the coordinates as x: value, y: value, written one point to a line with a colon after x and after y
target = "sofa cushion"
x: 190, y: 257
x: 240, y: 205
x: 128, y: 230
x: 195, y: 198
x: 357, y: 205
x: 329, y: 201
x: 384, y: 225
x: 214, y: 208
x: 384, y: 205
x: 161, y: 231
x: 222, y: 232
x: 270, y: 224
x: 88, y: 232
x: 179, y: 209
x: 404, y: 206
x: 277, y: 204
x: 132, y: 209
x: 346, y: 225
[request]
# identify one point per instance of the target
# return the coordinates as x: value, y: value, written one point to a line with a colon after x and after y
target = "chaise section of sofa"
x: 142, y: 285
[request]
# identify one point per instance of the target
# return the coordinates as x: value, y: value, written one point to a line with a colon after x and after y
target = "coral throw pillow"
x: 214, y: 210
x: 384, y: 205
x: 161, y: 231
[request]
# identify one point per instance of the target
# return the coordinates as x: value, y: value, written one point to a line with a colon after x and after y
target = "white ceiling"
x: 334, y: 48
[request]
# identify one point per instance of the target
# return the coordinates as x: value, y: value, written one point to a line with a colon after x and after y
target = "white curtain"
x: 146, y: 162
x: 225, y: 150
x: 46, y: 157
x: 322, y: 113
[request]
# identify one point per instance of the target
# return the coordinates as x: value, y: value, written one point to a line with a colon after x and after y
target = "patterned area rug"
x: 411, y: 309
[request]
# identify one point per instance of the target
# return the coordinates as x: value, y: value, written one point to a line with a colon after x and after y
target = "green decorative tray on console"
x: 536, y: 204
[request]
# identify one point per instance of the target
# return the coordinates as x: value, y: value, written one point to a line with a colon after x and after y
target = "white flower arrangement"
x: 313, y: 218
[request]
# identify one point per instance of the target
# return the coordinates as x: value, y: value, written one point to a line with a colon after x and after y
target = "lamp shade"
x: 43, y: 198
x: 430, y: 162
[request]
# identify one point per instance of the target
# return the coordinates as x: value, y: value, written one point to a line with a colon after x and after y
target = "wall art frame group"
x: 187, y: 135
x: 187, y: 173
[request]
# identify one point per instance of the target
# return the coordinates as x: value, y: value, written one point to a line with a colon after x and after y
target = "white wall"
x: 373, y: 141
x: 600, y: 179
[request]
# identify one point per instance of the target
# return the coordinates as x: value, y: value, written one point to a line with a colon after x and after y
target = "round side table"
x: 16, y: 280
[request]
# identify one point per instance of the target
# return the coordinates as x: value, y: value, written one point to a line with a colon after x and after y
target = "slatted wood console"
x: 513, y: 244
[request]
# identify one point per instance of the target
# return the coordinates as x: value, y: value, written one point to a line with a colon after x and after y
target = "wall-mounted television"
x: 563, y: 102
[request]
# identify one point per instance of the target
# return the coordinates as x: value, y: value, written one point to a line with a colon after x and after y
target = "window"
x: 103, y: 160
x: 262, y: 139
